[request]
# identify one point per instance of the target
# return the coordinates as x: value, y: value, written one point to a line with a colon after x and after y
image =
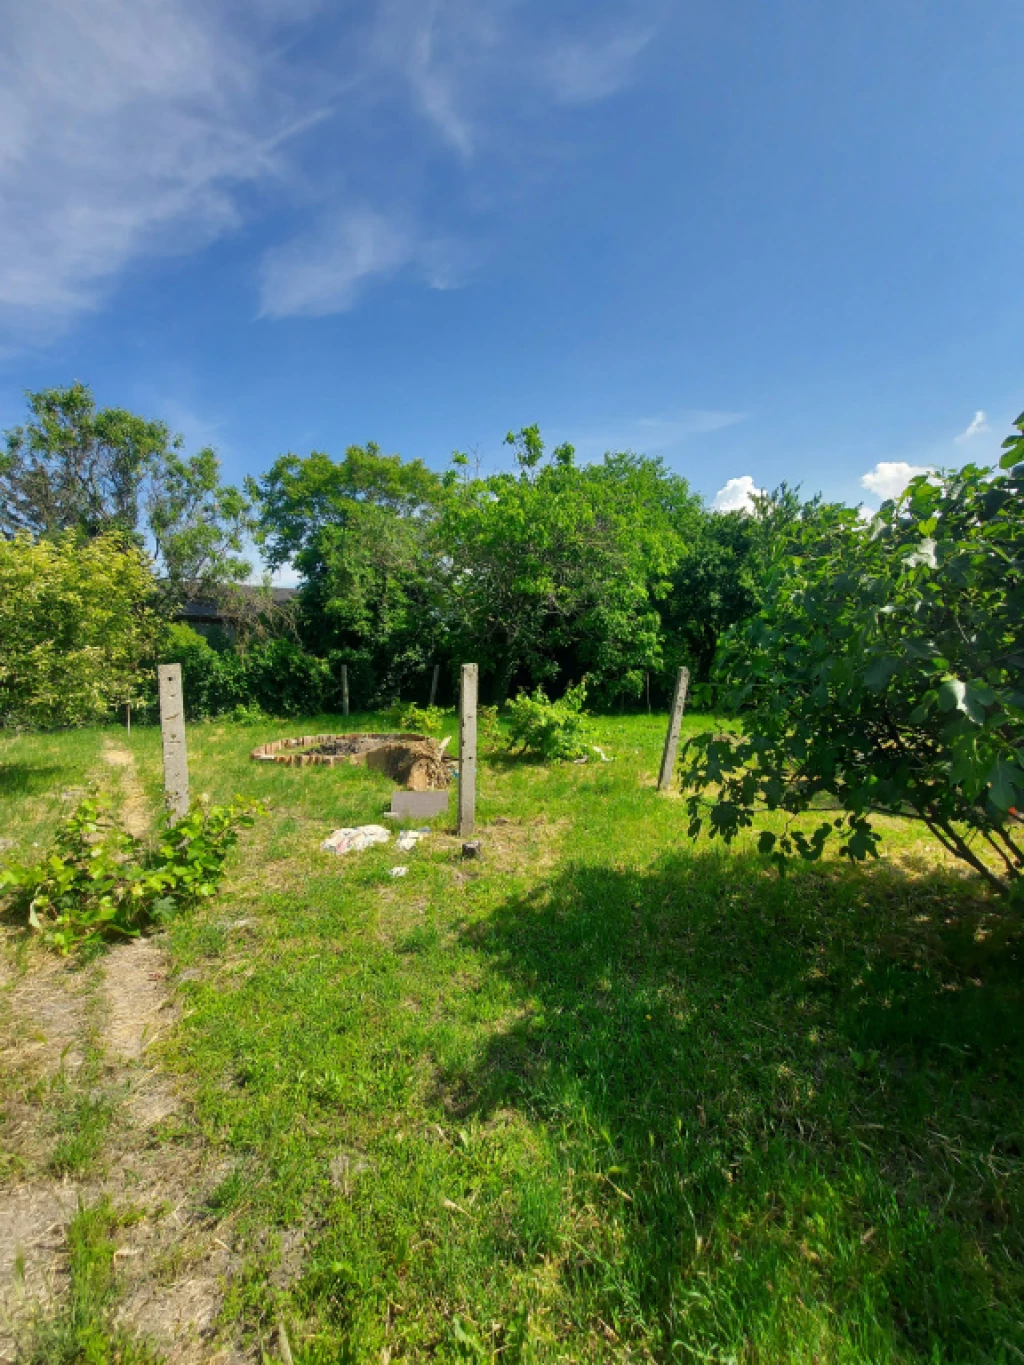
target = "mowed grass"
x: 602, y: 1095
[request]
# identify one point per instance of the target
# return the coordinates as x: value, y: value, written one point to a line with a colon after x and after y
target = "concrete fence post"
x: 467, y: 748
x: 668, y: 758
x: 172, y: 733
x: 433, y: 684
x: 344, y: 689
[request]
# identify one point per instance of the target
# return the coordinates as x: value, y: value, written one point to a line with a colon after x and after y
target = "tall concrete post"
x: 467, y: 748
x: 668, y: 758
x: 344, y: 689
x: 433, y: 684
x: 172, y: 732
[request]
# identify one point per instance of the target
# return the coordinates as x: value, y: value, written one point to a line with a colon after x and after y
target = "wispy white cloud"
x: 580, y: 71
x: 736, y: 495
x: 128, y: 126
x: 435, y: 47
x: 136, y: 128
x: 320, y: 273
x: 196, y: 429
x: 657, y: 435
x: 889, y: 477
x: 977, y: 425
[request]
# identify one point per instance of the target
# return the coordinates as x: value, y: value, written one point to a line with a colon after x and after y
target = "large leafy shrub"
x: 202, y: 674
x: 75, y: 628
x: 886, y: 669
x: 549, y: 729
x: 421, y: 720
x: 277, y: 676
x: 99, y: 881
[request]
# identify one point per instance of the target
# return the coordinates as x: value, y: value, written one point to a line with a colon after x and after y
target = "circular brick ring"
x: 327, y: 750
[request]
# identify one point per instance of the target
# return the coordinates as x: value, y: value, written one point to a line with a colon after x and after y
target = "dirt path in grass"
x: 133, y: 810
x: 86, y: 1111
x: 76, y: 1051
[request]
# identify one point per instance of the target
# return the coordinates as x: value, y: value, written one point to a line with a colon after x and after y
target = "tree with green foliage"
x: 73, y: 467
x: 199, y: 525
x: 713, y: 588
x: 884, y: 670
x: 301, y: 497
x: 555, y: 569
x: 76, y: 627
x: 358, y: 531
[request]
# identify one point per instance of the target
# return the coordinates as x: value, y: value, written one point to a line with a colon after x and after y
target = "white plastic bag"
x: 355, y: 840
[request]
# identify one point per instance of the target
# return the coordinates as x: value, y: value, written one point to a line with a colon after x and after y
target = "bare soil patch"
x: 417, y: 762
x: 63, y: 1031
x: 134, y: 809
x: 139, y: 1007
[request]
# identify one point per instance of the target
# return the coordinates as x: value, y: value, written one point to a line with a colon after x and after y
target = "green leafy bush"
x: 487, y: 721
x: 885, y: 670
x: 278, y: 677
x: 421, y: 720
x: 549, y: 729
x: 75, y: 628
x: 98, y: 880
x: 251, y: 713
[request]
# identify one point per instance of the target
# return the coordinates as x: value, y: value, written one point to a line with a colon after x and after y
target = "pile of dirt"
x: 419, y: 765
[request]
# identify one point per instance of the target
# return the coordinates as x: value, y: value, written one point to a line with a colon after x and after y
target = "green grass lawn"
x: 603, y: 1095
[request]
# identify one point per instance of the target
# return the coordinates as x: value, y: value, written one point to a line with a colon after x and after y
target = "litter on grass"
x: 355, y: 840
x: 409, y: 838
x: 399, y: 871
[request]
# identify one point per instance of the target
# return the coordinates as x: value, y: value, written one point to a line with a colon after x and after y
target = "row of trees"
x: 543, y: 575
x: 613, y: 570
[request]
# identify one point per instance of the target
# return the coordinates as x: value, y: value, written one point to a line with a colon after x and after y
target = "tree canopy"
x: 71, y: 468
x: 74, y: 468
x: 76, y: 627
x: 885, y: 670
x: 543, y: 574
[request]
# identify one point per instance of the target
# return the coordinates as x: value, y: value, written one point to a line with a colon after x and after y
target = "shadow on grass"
x: 790, y: 1114
x: 28, y: 779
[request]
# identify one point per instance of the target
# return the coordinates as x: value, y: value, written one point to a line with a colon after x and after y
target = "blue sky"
x: 763, y: 239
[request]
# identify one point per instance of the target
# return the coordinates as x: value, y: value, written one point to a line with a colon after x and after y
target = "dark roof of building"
x: 209, y: 609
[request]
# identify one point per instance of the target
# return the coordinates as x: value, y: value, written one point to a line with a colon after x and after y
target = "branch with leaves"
x: 885, y: 670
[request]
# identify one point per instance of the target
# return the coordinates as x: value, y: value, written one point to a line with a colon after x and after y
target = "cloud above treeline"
x: 889, y: 477
x: 977, y: 425
x: 737, y: 495
x: 134, y: 129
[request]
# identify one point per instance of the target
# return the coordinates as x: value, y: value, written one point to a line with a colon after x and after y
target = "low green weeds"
x: 98, y: 880
x: 79, y: 1108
